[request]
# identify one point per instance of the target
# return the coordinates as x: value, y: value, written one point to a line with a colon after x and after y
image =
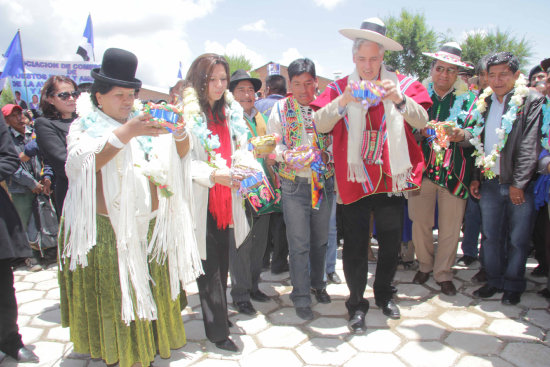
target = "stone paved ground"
x: 435, y: 330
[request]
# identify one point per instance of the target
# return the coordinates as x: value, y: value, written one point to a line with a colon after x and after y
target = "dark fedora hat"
x: 118, y: 68
x: 240, y: 75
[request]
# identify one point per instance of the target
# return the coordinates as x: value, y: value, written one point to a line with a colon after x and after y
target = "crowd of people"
x: 140, y: 212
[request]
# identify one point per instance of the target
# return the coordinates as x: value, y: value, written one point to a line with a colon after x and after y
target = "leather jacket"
x: 518, y: 158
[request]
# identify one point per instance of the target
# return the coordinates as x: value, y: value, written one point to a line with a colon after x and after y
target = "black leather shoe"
x: 227, y: 344
x: 390, y: 309
x: 245, y: 307
x: 259, y: 296
x: 421, y: 277
x: 321, y: 295
x: 25, y: 355
x: 466, y: 260
x: 357, y: 323
x: 511, y: 298
x: 486, y: 291
x: 480, y: 276
x: 304, y: 313
x: 448, y: 288
x: 334, y: 278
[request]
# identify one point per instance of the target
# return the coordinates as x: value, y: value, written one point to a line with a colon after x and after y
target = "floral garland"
x: 546, y: 124
x: 487, y: 162
x: 440, y: 141
x: 95, y: 126
x: 196, y: 122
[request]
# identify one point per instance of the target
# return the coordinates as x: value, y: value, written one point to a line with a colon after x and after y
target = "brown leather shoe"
x: 448, y: 288
x: 421, y: 277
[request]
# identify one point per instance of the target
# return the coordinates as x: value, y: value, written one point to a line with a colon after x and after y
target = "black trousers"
x: 276, y: 243
x: 213, y: 283
x: 388, y: 216
x: 10, y: 339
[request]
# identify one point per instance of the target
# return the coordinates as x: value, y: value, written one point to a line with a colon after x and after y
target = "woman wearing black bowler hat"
x: 127, y: 233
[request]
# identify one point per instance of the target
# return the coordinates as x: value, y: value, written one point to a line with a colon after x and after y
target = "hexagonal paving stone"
x: 412, y: 292
x: 533, y: 300
x: 377, y: 341
x: 215, y: 363
x: 285, y: 316
x: 59, y: 334
x: 53, y: 294
x: 417, y: 309
x: 540, y: 318
x: 284, y: 300
x: 260, y: 357
x: 329, y: 326
x: 459, y: 301
x: 335, y: 308
x: 462, y: 319
x: 281, y: 337
x: 48, y: 352
x: 31, y: 334
x: 338, y: 291
x: 374, y: 359
x: 415, y: 329
x: 22, y: 286
x: 324, y: 352
x: 427, y: 354
x: 47, y: 285
x: 265, y: 307
x: 194, y: 330
x: 479, y: 361
x: 497, y: 310
x: 40, y: 276
x: 48, y: 318
x: 474, y: 342
x: 70, y: 363
x: 41, y: 305
x: 29, y: 296
x: 515, y: 329
x: 249, y: 325
x: 185, y: 356
x: 376, y: 319
x: 527, y: 354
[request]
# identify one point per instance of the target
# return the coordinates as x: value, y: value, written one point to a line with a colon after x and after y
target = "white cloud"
x: 327, y: 4
x: 259, y: 26
x: 236, y: 48
x: 52, y: 30
x: 290, y: 55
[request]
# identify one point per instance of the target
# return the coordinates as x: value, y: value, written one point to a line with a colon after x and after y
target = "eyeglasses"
x: 442, y: 69
x: 66, y: 95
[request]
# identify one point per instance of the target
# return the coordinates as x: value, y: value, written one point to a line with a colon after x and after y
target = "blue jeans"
x: 506, y: 230
x: 472, y: 227
x: 332, y: 245
x: 307, y: 233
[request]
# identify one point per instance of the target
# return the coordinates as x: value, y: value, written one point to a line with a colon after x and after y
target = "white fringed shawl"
x: 128, y: 200
x: 400, y: 162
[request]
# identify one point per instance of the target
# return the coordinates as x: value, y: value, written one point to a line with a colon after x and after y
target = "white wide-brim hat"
x: 450, y: 53
x: 372, y: 29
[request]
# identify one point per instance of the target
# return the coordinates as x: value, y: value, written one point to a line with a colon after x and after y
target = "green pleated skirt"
x: 91, y: 306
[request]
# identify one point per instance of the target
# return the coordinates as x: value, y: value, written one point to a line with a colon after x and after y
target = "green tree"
x: 240, y: 62
x: 7, y: 95
x: 479, y: 43
x: 412, y: 32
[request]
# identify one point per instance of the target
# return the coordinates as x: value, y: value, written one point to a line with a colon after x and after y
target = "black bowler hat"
x: 240, y: 75
x: 118, y: 68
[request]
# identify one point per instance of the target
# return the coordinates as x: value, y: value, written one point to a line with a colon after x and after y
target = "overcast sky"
x: 163, y: 33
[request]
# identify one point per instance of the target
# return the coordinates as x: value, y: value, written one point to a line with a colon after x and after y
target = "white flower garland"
x: 196, y: 122
x: 487, y: 162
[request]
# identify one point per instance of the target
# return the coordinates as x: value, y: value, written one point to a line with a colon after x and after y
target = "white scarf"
x: 400, y: 162
x: 128, y: 199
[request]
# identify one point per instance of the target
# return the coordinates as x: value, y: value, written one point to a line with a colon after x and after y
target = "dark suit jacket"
x: 13, y: 241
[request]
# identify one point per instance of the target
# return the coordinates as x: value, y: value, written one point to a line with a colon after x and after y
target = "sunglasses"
x: 442, y: 69
x: 66, y: 95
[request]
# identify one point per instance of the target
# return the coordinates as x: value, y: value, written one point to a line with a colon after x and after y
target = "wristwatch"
x: 401, y: 105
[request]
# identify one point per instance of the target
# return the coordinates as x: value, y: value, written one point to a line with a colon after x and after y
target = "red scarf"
x: 219, y: 196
